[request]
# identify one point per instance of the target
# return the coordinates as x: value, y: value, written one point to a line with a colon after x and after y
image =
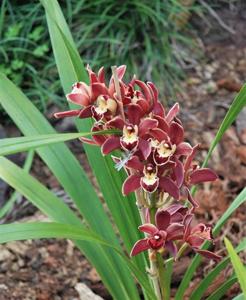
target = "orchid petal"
x: 69, y: 113
x: 98, y: 89
x: 135, y: 163
x: 183, y: 149
x: 172, y: 113
x: 145, y: 148
x: 179, y: 173
x: 148, y: 228
x: 202, y: 175
x: 131, y: 184
x: 139, y: 246
x: 162, y: 219
x: 176, y: 133
x: 146, y: 125
x: 158, y: 109
x: 208, y: 254
x: 153, y: 90
x: 86, y: 112
x: 168, y: 185
x: 134, y: 114
x: 172, y: 248
x: 144, y: 89
x: 190, y: 158
x: 116, y: 122
x: 110, y: 144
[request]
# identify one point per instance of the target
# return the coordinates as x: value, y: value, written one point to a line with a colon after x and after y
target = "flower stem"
x: 117, y: 90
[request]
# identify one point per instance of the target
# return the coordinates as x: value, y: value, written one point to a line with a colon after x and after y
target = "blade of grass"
x: 9, y: 204
x: 69, y: 66
x: 206, y: 282
x: 21, y: 144
x: 40, y: 230
x: 220, y: 292
x: 237, y: 265
x: 55, y: 209
x: 240, y: 199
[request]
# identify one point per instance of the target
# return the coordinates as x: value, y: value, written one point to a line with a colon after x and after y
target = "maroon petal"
x: 86, y: 112
x: 167, y: 185
x: 187, y: 224
x: 175, y: 231
x: 146, y: 125
x: 190, y: 158
x: 179, y: 173
x: 208, y: 254
x: 172, y: 113
x: 131, y: 184
x: 139, y: 246
x: 144, y: 89
x: 176, y: 133
x: 172, y: 248
x: 148, y: 228
x: 69, y: 113
x: 195, y: 241
x: 135, y: 163
x: 159, y: 134
x: 158, y: 109
x: 116, y: 122
x: 183, y: 149
x: 121, y: 71
x: 98, y: 89
x: 153, y: 90
x: 145, y: 148
x: 162, y: 219
x: 202, y: 175
x: 110, y: 144
x: 134, y: 114
x: 101, y: 75
x: 162, y: 124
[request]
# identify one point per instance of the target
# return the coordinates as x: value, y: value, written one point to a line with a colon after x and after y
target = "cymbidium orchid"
x: 159, y: 163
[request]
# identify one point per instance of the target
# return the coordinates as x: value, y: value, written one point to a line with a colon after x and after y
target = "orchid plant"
x: 144, y: 168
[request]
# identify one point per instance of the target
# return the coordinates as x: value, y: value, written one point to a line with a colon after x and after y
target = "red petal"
x: 154, y: 91
x: 176, y: 133
x: 148, y: 228
x: 202, y: 175
x: 135, y: 163
x: 187, y: 224
x: 145, y: 148
x: 166, y: 184
x: 190, y: 157
x: 175, y: 231
x: 101, y: 75
x: 121, y: 71
x: 192, y: 200
x: 162, y: 219
x: 172, y: 248
x: 69, y: 113
x: 159, y: 134
x: 139, y: 246
x: 87, y: 141
x: 116, y: 122
x: 183, y: 149
x: 146, y: 125
x: 179, y: 173
x: 208, y: 254
x: 162, y: 124
x: 86, y: 112
x: 158, y: 109
x: 134, y: 114
x: 98, y: 89
x: 144, y: 89
x: 131, y: 184
x: 172, y: 113
x: 110, y: 144
x: 81, y: 99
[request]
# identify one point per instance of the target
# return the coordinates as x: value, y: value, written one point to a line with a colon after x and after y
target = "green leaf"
x: 55, y: 209
x: 40, y: 230
x: 9, y: 203
x: 71, y: 69
x: 237, y: 265
x: 206, y: 282
x: 21, y: 144
x: 240, y: 199
x: 234, y: 110
x: 239, y: 297
x: 220, y: 292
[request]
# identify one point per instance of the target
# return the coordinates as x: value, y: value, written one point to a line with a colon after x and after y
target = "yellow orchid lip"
x: 130, y: 139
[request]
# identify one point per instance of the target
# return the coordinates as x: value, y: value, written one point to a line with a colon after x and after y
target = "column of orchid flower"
x: 158, y: 162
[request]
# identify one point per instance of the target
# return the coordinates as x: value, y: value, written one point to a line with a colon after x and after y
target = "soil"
x: 50, y: 269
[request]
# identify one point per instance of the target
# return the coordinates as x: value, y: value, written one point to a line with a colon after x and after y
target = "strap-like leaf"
x: 220, y: 292
x: 40, y: 230
x: 205, y: 283
x: 237, y: 265
x: 21, y: 144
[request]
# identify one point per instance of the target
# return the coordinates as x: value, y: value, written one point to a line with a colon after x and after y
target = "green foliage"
x: 140, y: 34
x: 237, y: 265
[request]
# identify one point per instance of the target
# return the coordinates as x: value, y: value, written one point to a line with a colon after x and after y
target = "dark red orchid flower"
x: 159, y: 235
x: 196, y: 236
